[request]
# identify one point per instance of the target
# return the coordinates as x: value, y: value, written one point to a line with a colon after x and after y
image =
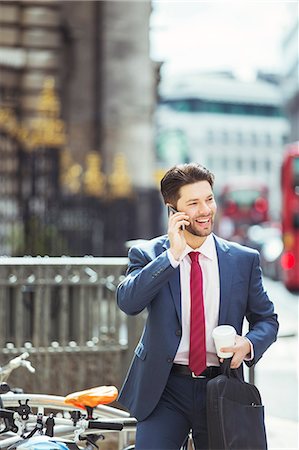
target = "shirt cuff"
x: 172, y: 260
x: 250, y: 355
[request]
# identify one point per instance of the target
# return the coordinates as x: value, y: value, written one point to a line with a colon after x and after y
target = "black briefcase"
x: 235, y: 413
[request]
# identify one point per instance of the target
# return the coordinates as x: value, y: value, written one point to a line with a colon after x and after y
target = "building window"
x: 239, y: 164
x: 253, y: 165
x: 268, y: 165
x: 225, y: 137
x: 239, y: 137
x: 284, y: 139
x: 210, y: 137
x: 197, y: 105
x: 268, y: 139
x: 253, y: 139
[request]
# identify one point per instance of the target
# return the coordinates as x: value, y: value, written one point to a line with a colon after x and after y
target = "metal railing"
x: 60, y: 302
x: 63, y: 312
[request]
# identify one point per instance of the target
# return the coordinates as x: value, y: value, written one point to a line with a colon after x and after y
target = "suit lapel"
x: 225, y: 264
x: 225, y: 274
x: 175, y: 286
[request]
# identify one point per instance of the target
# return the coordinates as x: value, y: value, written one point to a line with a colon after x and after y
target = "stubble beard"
x: 201, y: 233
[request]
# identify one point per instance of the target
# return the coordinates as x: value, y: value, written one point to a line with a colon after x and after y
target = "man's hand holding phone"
x: 176, y: 226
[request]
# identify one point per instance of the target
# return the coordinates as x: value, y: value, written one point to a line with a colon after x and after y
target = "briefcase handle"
x: 230, y: 373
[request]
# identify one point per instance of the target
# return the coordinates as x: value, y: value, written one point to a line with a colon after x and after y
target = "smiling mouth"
x: 202, y: 221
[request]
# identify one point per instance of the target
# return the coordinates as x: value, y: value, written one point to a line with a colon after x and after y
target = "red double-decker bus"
x: 243, y: 202
x: 290, y: 217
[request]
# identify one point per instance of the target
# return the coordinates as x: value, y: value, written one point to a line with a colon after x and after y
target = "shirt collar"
x: 207, y: 249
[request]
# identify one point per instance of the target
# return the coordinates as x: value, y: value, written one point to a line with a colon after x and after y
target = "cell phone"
x: 173, y: 210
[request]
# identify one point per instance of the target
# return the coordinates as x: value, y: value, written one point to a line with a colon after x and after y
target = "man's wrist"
x: 174, y: 262
x: 175, y: 255
x: 250, y: 354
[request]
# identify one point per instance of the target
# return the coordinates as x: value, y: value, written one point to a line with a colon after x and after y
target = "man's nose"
x: 203, y: 209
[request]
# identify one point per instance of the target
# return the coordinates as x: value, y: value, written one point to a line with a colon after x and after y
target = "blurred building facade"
x: 233, y: 127
x: 290, y: 70
x: 101, y: 108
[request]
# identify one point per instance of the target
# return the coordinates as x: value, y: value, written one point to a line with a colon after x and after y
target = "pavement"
x: 282, y: 433
x: 276, y: 374
x: 277, y: 379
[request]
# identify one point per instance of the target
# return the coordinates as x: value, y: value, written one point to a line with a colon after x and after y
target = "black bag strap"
x: 230, y: 373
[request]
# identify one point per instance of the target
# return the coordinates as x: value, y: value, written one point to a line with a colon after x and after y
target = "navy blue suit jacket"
x: 152, y: 283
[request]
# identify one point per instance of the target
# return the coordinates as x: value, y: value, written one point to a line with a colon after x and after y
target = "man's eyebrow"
x: 192, y: 200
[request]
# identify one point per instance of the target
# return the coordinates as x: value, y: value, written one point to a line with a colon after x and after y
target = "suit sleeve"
x: 143, y: 280
x: 263, y: 324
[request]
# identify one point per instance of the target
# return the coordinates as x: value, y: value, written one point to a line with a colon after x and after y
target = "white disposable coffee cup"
x: 224, y: 336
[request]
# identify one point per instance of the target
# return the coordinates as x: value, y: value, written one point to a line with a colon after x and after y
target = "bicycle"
x: 18, y: 361
x: 38, y: 419
x: 73, y: 422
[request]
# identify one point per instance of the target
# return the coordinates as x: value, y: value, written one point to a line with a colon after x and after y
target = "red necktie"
x: 197, y: 351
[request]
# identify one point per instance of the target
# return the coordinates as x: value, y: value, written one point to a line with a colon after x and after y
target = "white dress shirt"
x: 211, y: 293
x: 208, y: 261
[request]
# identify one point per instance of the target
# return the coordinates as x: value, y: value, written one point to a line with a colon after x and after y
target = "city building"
x: 103, y: 96
x: 290, y: 70
x: 235, y: 128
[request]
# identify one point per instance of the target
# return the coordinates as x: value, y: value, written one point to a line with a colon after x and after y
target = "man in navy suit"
x: 161, y: 389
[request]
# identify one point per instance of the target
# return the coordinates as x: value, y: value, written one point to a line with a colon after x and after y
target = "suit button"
x: 169, y: 360
x: 178, y: 332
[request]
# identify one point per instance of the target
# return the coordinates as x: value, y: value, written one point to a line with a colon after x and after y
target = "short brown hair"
x: 179, y: 176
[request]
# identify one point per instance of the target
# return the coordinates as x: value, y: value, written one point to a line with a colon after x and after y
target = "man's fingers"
x: 237, y: 357
x: 228, y: 349
x: 239, y: 350
x: 235, y: 363
x: 178, y: 217
x: 182, y: 222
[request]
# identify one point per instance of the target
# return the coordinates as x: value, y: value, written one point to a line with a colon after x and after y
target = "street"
x: 276, y: 375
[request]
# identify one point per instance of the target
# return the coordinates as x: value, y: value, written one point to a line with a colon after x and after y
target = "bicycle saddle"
x: 92, y: 397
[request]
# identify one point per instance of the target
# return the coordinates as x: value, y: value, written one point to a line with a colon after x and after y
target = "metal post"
x: 251, y: 375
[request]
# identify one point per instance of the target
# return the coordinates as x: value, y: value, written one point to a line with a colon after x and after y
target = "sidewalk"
x: 282, y: 434
x: 277, y: 373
